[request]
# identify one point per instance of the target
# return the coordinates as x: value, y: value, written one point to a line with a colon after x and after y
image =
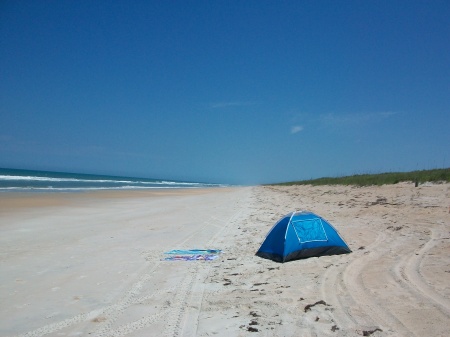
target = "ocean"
x: 27, y: 180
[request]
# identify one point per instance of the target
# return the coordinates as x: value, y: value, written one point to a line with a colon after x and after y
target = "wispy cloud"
x: 354, y: 119
x: 296, y: 129
x: 221, y: 105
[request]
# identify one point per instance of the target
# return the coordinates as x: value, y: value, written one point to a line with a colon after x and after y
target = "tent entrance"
x: 309, y: 230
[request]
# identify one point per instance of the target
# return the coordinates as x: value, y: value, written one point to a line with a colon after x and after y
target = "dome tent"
x: 300, y: 235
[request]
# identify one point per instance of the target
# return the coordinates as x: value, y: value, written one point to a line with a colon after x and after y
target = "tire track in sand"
x: 114, y: 311
x: 50, y: 328
x: 408, y: 273
x: 110, y: 311
x: 182, y: 320
x: 336, y: 292
x: 130, y: 298
x: 176, y: 311
x: 183, y: 317
x: 142, y: 323
x: 371, y: 312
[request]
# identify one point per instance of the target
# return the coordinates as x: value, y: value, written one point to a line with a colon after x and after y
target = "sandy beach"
x: 92, y: 264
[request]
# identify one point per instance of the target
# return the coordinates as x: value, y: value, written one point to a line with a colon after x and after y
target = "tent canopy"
x: 300, y: 235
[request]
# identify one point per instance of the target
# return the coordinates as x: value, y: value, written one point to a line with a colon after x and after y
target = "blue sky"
x: 225, y: 91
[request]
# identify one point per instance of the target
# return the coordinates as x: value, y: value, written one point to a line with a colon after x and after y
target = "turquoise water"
x: 28, y: 180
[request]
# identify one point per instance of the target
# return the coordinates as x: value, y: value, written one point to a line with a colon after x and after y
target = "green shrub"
x: 435, y: 176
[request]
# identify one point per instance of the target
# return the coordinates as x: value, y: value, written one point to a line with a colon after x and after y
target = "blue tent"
x: 300, y: 235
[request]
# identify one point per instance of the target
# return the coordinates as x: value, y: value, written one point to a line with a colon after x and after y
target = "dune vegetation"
x: 417, y: 177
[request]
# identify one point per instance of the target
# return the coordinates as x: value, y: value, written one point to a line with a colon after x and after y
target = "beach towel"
x: 192, y: 254
x: 192, y: 257
x: 194, y: 251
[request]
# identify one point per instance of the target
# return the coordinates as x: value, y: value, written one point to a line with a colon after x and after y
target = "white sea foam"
x: 32, y: 178
x: 53, y: 181
x: 38, y: 178
x: 50, y: 188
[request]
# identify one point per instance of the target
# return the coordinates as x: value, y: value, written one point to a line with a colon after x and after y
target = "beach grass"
x: 418, y: 177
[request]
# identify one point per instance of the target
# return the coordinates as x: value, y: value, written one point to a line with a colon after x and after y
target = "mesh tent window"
x: 309, y: 230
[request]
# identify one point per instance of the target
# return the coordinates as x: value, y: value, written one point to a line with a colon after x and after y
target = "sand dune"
x: 93, y: 264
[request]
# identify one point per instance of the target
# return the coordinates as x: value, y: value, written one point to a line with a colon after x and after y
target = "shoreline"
x: 11, y: 200
x: 92, y: 264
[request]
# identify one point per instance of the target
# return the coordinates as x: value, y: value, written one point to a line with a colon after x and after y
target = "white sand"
x: 91, y: 264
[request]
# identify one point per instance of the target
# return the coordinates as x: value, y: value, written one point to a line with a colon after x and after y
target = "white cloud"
x: 354, y: 119
x: 296, y: 128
